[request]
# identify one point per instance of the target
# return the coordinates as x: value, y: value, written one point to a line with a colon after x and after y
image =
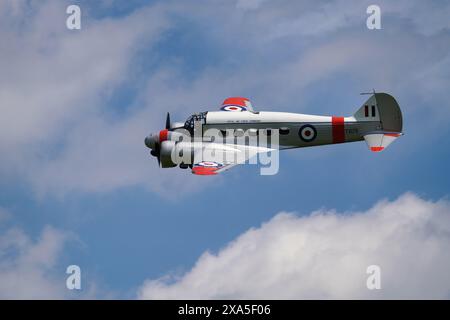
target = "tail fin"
x: 382, y: 108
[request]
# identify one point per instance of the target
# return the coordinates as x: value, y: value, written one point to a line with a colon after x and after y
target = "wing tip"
x: 202, y: 171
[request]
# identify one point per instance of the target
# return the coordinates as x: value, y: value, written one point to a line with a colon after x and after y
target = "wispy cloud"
x: 27, y: 268
x: 324, y: 255
x: 32, y: 268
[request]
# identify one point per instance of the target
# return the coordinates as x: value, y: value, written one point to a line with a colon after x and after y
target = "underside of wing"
x: 207, y: 168
x: 214, y: 158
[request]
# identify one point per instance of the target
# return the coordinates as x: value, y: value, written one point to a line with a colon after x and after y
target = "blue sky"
x: 77, y: 105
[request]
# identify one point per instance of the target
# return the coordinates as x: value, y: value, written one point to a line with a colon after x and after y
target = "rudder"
x: 383, y: 108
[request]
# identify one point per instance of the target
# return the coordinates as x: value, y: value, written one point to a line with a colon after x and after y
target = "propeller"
x: 156, y: 152
x: 168, y: 121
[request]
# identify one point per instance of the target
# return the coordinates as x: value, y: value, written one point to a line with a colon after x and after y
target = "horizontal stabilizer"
x: 378, y: 141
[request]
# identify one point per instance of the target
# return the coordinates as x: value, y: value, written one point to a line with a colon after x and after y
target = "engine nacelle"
x: 175, y: 153
x: 167, y: 150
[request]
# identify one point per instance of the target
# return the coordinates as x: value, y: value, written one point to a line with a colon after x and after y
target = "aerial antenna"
x: 364, y: 93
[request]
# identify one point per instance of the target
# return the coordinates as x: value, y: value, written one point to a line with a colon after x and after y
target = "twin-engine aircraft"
x: 191, y: 145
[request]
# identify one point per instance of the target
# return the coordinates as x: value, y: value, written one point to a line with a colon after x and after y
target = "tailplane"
x: 378, y: 141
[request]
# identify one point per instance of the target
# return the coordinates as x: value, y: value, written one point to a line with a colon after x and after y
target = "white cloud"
x: 325, y: 255
x: 57, y: 130
x: 27, y: 268
x: 53, y: 76
x: 106, y: 156
x: 54, y: 79
x: 59, y: 133
x: 34, y: 267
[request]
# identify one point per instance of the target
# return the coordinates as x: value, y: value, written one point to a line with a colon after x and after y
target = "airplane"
x: 378, y: 121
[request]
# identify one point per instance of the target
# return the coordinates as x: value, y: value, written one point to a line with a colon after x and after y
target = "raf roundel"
x: 236, y: 104
x: 234, y: 108
x: 307, y: 133
x: 210, y: 164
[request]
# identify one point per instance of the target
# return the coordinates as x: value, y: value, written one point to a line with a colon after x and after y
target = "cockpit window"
x: 189, y: 124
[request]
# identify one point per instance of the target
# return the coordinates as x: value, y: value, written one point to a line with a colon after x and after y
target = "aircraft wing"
x: 214, y: 158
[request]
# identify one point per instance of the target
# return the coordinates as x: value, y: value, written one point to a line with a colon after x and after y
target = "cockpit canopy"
x: 189, y: 124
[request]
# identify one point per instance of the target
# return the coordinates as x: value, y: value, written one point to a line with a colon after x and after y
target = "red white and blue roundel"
x: 206, y: 168
x: 307, y: 133
x: 209, y: 164
x: 236, y: 104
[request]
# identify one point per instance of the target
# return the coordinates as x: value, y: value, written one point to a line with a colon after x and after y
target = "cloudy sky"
x: 78, y: 186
